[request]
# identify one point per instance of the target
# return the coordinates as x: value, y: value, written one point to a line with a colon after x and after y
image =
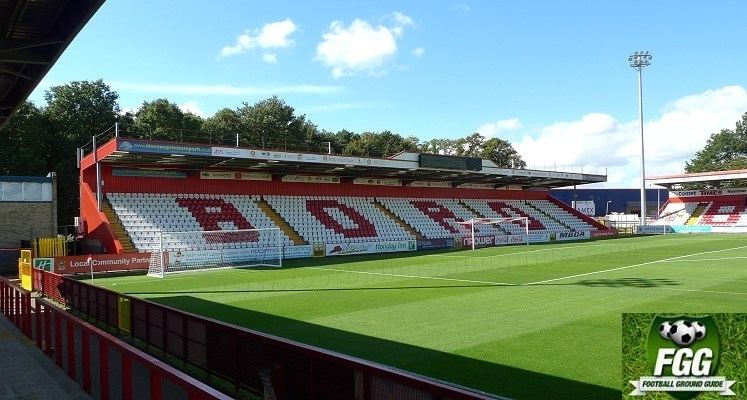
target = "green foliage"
x: 161, y: 119
x: 725, y: 150
x: 373, y: 144
x: 497, y: 150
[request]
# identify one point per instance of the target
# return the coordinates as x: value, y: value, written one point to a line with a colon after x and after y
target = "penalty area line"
x: 633, y: 266
x: 415, y: 276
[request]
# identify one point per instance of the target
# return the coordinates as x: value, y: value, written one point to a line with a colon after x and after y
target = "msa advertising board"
x: 576, y: 235
x: 342, y: 249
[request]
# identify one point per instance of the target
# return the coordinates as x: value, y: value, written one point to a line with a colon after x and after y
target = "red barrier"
x: 245, y: 359
x: 15, y: 304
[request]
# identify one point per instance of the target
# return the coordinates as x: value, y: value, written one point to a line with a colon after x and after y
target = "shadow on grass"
x: 628, y: 282
x: 482, y: 375
x: 632, y: 282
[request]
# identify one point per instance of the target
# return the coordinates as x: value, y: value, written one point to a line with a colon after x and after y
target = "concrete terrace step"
x: 280, y: 222
x: 398, y: 220
x: 127, y: 245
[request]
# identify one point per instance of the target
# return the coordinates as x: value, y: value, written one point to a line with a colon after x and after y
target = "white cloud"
x: 221, y: 90
x: 270, y: 58
x: 274, y: 35
x: 191, y: 107
x: 492, y: 129
x: 418, y: 52
x: 361, y: 46
x: 598, y: 141
x: 460, y: 7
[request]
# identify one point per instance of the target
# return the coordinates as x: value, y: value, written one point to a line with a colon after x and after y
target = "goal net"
x: 519, y: 234
x: 203, y: 250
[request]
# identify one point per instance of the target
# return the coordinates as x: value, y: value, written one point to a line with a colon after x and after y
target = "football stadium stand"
x: 323, y: 219
x: 705, y: 207
x: 319, y: 200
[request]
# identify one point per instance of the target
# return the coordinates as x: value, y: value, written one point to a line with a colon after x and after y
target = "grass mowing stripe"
x: 710, y: 259
x: 706, y: 291
x: 634, y: 265
x: 414, y: 276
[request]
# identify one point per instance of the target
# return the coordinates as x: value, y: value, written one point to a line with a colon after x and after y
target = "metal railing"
x: 238, y: 360
x: 99, y: 362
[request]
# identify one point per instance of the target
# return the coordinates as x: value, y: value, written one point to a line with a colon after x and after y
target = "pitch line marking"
x: 519, y: 252
x: 712, y: 259
x: 633, y: 266
x: 415, y: 276
x: 706, y: 291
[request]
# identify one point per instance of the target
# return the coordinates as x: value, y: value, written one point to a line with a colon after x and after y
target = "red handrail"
x: 46, y: 317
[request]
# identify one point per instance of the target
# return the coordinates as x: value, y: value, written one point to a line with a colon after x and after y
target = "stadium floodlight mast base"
x: 638, y: 61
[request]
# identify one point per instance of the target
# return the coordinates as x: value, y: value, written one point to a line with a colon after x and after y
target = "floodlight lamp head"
x: 640, y: 59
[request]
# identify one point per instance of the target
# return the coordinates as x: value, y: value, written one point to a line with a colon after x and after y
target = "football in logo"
x: 664, y: 328
x: 682, y: 333
x: 700, y: 330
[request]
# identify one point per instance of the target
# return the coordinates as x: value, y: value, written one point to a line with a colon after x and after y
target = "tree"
x: 497, y: 150
x: 163, y: 120
x: 224, y: 125
x: 75, y: 112
x: 26, y: 143
x: 272, y: 124
x: 386, y: 143
x: 724, y: 150
x: 502, y: 154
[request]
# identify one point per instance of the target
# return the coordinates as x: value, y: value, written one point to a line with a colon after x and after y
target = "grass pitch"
x: 527, y: 322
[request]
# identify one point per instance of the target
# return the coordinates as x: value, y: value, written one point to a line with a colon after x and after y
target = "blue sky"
x: 551, y: 77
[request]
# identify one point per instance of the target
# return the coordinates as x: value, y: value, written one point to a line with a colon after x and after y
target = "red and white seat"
x: 321, y: 219
x: 436, y: 218
x: 143, y: 215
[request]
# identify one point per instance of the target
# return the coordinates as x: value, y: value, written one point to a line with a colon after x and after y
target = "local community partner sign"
x: 101, y: 263
x: 341, y: 249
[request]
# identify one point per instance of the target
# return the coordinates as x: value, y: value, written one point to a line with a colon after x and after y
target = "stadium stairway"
x: 478, y: 215
x: 280, y: 222
x: 695, y: 216
x: 117, y: 228
x: 398, y: 220
x: 548, y: 215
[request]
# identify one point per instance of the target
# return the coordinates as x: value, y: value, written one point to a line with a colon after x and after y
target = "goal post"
x: 188, y: 251
x: 496, y: 222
